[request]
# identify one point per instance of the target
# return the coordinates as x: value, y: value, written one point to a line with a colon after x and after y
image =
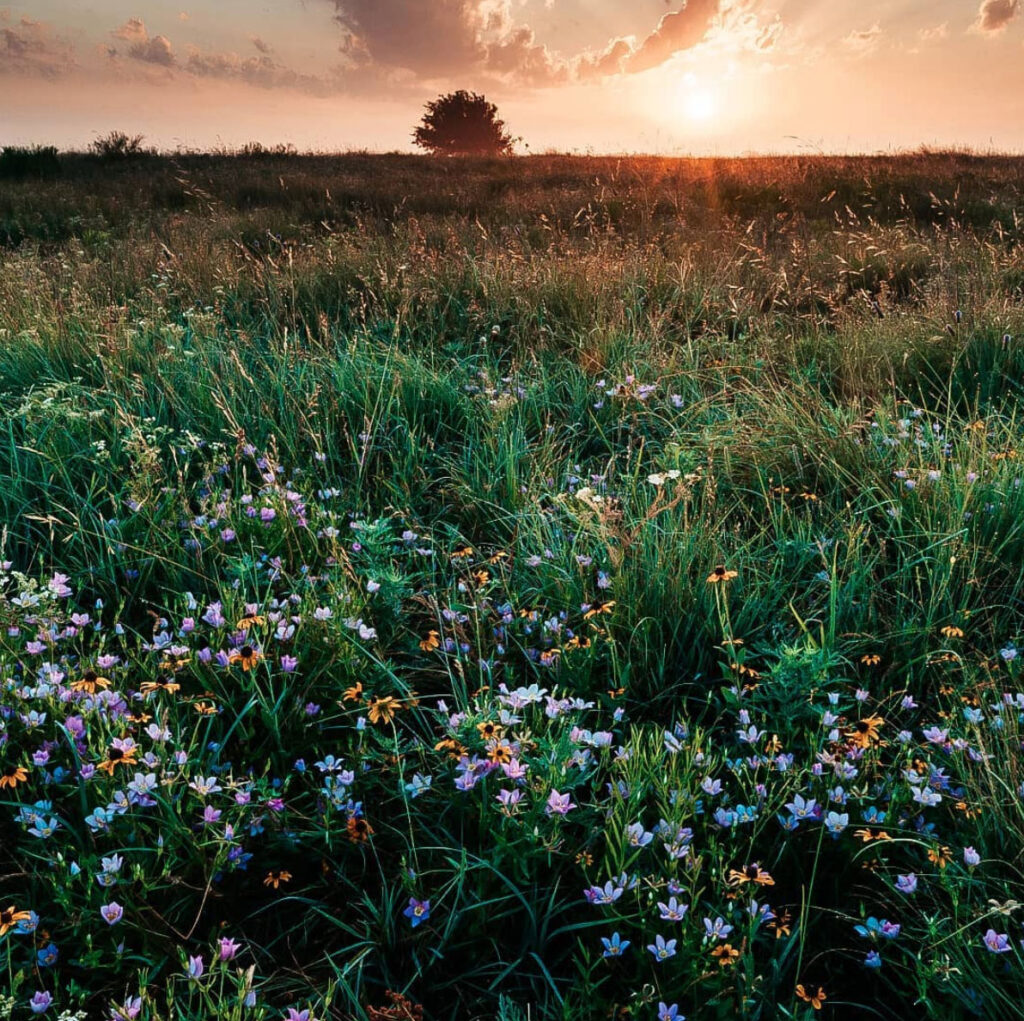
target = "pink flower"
x: 559, y: 804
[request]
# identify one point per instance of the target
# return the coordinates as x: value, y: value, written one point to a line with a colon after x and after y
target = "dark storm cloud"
x: 995, y: 15
x: 29, y: 47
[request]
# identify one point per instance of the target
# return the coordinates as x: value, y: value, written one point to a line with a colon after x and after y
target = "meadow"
x: 539, y: 588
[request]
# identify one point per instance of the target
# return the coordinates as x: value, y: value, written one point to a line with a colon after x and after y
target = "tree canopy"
x: 463, y: 124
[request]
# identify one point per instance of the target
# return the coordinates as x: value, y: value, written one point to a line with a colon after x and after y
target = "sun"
x: 698, y: 102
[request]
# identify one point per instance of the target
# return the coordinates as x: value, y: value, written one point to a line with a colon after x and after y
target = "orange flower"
x: 940, y: 856
x: 276, y: 877
x: 9, y: 918
x: 871, y: 659
x: 870, y: 833
x: 951, y: 632
x: 121, y: 753
x: 162, y: 683
x: 251, y: 621
x: 206, y: 709
x: 726, y: 955
x: 750, y: 874
x: 352, y: 694
x: 816, y: 1000
x: 782, y: 926
x: 89, y: 682
x: 598, y: 608
x: 246, y: 657
x: 359, y: 830
x: 431, y: 642
x: 382, y: 710
x: 865, y: 732
x: 720, y: 574
x: 12, y: 776
x: 488, y: 729
x: 461, y: 554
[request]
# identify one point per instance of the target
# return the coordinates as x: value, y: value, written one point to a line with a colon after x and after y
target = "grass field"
x: 549, y: 588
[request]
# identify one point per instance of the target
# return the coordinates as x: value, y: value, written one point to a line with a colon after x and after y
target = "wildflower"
x: 382, y: 710
x: 251, y: 620
x: 662, y: 949
x: 112, y: 913
x: 46, y: 957
x: 781, y: 926
x: 720, y: 574
x: 40, y: 1002
x: 673, y: 911
x: 12, y: 776
x: 716, y: 929
x: 431, y: 642
x: 353, y: 693
x: 196, y: 968
x: 122, y: 752
x: 275, y: 877
x: 614, y: 947
x: 670, y: 1013
x: 417, y: 911
x: 865, y: 731
x: 750, y: 874
x: 835, y: 822
x: 997, y: 942
x: 870, y: 833
x: 873, y: 959
x: 816, y: 1000
x: 607, y: 894
x: 599, y: 608
x: 726, y: 955
x: 89, y: 682
x: 906, y: 884
x: 951, y: 632
x: 559, y: 804
x: 358, y: 830
x: 871, y: 659
x: 162, y: 683
x: 971, y: 857
x: 10, y: 917
x: 246, y: 657
x: 940, y: 856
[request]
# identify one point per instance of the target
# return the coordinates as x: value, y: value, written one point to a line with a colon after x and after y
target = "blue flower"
x: 417, y: 911
x: 614, y: 947
x: 670, y: 1013
x: 661, y: 949
x: 47, y: 956
x: 873, y: 960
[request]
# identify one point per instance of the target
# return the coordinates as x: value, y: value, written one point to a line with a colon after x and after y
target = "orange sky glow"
x: 665, y: 76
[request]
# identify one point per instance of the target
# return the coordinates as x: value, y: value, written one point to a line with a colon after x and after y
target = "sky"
x: 604, y: 76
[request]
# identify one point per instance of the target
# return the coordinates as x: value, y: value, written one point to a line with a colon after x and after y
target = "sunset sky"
x: 704, y: 76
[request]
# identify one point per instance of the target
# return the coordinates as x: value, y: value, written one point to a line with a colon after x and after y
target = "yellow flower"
x: 952, y: 632
x: 89, y: 682
x: 431, y: 642
x: 865, y: 732
x: 251, y: 621
x: 247, y: 657
x: 488, y: 729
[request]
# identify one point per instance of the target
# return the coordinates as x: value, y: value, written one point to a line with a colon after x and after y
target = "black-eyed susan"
x: 616, y: 692
x: 481, y: 578
x: 382, y: 710
x: 499, y: 751
x: 750, y: 874
x: 496, y: 558
x: 584, y: 858
x: 816, y: 1000
x: 951, y: 631
x: 463, y: 553
x: 9, y: 918
x: 431, y: 642
x: 578, y: 642
x: 940, y: 856
x: 598, y: 608
x: 205, y: 708
x: 275, y: 877
x: 247, y: 656
x: 90, y: 682
x: 871, y: 659
x: 354, y: 693
x: 358, y: 830
x: 252, y: 620
x: 454, y: 749
x: 489, y: 729
x: 865, y: 732
x: 11, y: 776
x: 721, y: 574
x: 782, y: 926
x: 122, y: 752
x: 726, y: 955
x: 870, y: 833
x: 162, y: 683
x: 174, y: 663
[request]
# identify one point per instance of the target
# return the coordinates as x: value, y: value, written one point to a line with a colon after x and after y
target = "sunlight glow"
x: 697, y: 101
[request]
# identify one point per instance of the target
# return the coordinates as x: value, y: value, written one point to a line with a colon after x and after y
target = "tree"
x: 463, y: 124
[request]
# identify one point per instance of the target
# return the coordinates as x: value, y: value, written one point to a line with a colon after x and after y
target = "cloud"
x: 863, y: 41
x: 262, y: 46
x: 142, y: 46
x: 29, y: 47
x: 677, y: 31
x: 934, y: 34
x: 605, y: 62
x: 995, y: 15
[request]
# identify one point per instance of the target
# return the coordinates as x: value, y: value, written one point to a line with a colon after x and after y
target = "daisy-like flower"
x: 163, y: 683
x: 358, y: 830
x: 488, y: 729
x: 598, y: 608
x: 352, y: 694
x: 871, y: 659
x: 431, y: 642
x: 275, y: 877
x: 122, y: 752
x: 252, y: 620
x: 865, y: 732
x: 11, y: 776
x: 950, y: 631
x: 726, y: 955
x: 750, y: 874
x: 720, y: 574
x: 382, y: 710
x: 940, y: 856
x: 90, y: 682
x: 816, y: 1000
x: 246, y: 657
x: 10, y: 917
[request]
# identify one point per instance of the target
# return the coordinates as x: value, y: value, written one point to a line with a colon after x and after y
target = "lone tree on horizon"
x: 463, y: 124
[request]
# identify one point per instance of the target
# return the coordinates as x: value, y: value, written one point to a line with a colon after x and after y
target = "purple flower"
x: 297, y: 1015
x: 417, y: 911
x: 129, y: 1010
x: 196, y: 967
x: 227, y: 948
x: 906, y: 884
x: 997, y: 942
x: 971, y: 857
x: 112, y: 912
x: 662, y: 949
x: 40, y: 1002
x: 559, y: 804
